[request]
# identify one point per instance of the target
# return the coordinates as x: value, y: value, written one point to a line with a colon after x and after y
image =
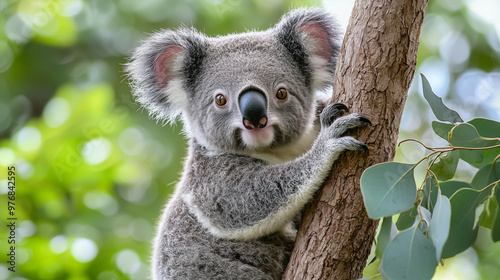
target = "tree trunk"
x: 374, y: 71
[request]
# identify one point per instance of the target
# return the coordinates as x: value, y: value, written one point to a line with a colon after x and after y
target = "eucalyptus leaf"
x: 426, y: 218
x: 387, y: 230
x: 495, y: 229
x: 486, y: 128
x: 440, y: 223
x: 488, y: 215
x: 466, y: 136
x: 430, y: 192
x: 446, y: 166
x: 410, y: 255
x: 486, y: 175
x: 449, y: 188
x: 441, y: 112
x: 462, y: 232
x: 407, y: 218
x: 489, y: 155
x: 442, y: 129
x: 477, y: 216
x: 388, y: 188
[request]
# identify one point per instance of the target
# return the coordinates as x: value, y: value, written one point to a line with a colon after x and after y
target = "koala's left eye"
x: 220, y: 100
x: 282, y: 94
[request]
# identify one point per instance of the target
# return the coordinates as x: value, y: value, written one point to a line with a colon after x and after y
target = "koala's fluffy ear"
x: 312, y: 37
x: 162, y: 67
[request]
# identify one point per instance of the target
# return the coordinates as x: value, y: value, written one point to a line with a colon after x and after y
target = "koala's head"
x: 241, y: 92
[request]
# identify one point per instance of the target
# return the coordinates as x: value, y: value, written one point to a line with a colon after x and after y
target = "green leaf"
x: 462, y: 232
x: 495, y: 229
x: 387, y: 232
x: 490, y: 155
x: 465, y: 135
x: 442, y: 129
x: 388, y: 188
x: 407, y: 218
x: 449, y: 188
x: 409, y: 256
x: 425, y: 218
x: 440, y: 223
x: 486, y: 175
x: 430, y: 191
x: 486, y: 128
x: 488, y: 215
x: 446, y: 166
x: 441, y: 112
x: 479, y: 211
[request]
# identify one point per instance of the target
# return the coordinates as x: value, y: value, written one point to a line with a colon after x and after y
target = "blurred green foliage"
x: 91, y: 181
x: 93, y: 172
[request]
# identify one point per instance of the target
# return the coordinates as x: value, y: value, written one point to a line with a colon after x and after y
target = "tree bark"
x: 374, y: 71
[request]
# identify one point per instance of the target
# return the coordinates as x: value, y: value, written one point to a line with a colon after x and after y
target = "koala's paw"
x: 331, y: 112
x: 343, y: 124
x: 334, y: 127
x: 340, y: 126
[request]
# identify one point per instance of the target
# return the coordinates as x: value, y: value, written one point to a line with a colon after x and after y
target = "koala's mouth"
x: 258, y: 138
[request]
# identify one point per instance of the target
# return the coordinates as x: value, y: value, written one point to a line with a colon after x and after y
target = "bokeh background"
x: 93, y: 171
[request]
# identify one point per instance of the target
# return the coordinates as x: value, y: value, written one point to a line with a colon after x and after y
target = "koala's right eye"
x: 282, y: 94
x: 220, y: 100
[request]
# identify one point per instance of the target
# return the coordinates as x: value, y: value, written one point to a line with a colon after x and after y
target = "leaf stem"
x: 490, y: 185
x: 448, y: 149
x: 467, y: 148
x: 496, y: 158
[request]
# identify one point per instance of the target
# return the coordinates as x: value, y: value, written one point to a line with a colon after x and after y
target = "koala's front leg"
x: 244, y: 198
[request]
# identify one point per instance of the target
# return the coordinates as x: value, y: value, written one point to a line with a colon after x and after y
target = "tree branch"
x: 374, y: 71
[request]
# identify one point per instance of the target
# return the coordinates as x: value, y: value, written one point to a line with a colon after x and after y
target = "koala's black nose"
x: 253, y: 106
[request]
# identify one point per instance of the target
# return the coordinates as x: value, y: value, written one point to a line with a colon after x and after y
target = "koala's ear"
x: 165, y: 64
x: 162, y: 67
x: 312, y: 38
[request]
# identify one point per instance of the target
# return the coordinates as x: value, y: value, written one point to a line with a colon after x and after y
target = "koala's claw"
x: 340, y: 106
x: 364, y: 148
x: 365, y: 120
x: 330, y: 112
x: 348, y: 143
x: 358, y: 145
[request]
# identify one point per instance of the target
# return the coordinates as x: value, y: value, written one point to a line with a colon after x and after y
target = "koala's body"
x: 258, y: 146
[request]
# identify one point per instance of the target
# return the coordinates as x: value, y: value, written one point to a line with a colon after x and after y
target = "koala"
x: 261, y: 140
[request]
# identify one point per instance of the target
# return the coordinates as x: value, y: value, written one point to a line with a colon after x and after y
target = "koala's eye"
x: 281, y: 94
x: 220, y: 100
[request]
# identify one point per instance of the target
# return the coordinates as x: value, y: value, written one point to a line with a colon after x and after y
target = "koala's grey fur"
x: 231, y: 216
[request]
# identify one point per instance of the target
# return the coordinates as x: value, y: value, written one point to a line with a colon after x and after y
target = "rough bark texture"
x: 374, y: 71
